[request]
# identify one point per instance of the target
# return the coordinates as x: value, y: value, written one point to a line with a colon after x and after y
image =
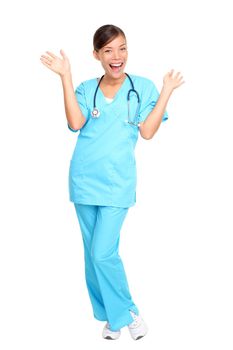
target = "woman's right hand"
x: 55, y: 63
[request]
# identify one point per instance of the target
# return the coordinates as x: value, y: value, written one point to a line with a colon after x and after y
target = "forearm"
x: 74, y: 115
x: 154, y: 119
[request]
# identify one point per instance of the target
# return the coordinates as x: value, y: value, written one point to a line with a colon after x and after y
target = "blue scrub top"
x: 103, y: 166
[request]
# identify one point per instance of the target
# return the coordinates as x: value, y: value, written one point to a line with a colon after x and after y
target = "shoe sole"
x: 109, y: 338
x: 140, y: 336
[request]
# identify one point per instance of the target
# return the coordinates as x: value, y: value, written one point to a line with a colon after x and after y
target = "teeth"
x: 116, y: 65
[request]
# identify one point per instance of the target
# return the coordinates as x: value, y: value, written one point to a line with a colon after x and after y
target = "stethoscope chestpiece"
x: 95, y: 113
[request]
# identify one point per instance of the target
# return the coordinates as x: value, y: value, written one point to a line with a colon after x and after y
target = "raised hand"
x: 171, y: 82
x: 58, y: 65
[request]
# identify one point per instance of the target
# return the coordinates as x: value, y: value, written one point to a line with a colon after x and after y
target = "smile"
x: 116, y: 66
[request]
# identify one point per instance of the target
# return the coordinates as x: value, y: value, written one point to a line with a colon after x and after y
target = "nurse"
x: 102, y: 173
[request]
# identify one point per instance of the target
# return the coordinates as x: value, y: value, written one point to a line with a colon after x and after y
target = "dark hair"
x: 105, y: 34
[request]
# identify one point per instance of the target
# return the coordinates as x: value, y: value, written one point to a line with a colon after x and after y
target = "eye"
x: 123, y: 48
x: 107, y: 51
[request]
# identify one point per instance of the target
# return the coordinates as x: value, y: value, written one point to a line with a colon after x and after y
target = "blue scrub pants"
x: 104, y: 272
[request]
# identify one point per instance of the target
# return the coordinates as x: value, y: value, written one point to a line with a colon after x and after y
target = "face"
x: 113, y: 57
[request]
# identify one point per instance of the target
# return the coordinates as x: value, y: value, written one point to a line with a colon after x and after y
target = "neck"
x: 111, y: 81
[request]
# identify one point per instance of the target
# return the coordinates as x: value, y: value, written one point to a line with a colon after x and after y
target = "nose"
x: 116, y: 54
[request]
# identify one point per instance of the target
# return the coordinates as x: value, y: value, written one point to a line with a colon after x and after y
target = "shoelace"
x: 136, y: 322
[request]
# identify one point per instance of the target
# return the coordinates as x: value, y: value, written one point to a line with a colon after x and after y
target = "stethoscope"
x: 96, y: 113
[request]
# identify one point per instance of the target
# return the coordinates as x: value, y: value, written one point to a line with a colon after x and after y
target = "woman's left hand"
x: 171, y: 82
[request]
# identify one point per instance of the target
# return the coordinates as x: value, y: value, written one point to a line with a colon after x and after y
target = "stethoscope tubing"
x: 95, y: 113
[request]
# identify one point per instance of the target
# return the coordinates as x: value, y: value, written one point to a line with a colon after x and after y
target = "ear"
x: 96, y: 55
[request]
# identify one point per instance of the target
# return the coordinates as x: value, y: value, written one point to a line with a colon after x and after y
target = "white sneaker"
x: 138, y: 327
x: 109, y: 334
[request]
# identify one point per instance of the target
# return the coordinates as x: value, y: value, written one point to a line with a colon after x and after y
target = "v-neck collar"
x: 119, y: 91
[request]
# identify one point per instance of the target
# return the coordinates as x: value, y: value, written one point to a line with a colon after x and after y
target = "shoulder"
x: 89, y: 83
x: 86, y: 85
x: 143, y: 84
x: 141, y: 80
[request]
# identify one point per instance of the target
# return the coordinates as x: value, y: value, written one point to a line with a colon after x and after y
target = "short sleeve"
x: 81, y: 98
x: 149, y: 99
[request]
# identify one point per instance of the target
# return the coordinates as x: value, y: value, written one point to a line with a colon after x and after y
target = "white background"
x: 176, y: 243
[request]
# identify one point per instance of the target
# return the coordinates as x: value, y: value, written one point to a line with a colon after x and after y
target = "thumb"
x: 63, y: 54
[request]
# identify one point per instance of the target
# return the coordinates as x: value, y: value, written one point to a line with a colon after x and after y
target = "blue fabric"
x: 103, y: 166
x: 104, y: 271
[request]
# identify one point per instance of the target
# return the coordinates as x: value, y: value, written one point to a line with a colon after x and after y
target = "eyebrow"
x: 110, y: 47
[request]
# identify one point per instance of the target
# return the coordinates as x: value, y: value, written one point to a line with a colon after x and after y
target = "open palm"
x: 171, y: 81
x: 58, y: 65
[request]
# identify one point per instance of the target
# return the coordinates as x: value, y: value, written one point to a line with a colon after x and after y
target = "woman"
x: 109, y: 112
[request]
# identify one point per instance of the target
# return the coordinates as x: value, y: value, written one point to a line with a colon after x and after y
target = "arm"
x: 149, y: 127
x: 74, y: 116
x: 62, y: 67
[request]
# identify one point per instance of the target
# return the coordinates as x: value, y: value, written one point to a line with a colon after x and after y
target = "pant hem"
x: 124, y: 321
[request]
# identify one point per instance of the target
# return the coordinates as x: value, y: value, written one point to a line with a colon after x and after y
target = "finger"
x: 51, y: 54
x: 46, y: 59
x: 46, y: 64
x: 180, y: 78
x: 176, y: 76
x: 171, y: 71
x: 182, y: 82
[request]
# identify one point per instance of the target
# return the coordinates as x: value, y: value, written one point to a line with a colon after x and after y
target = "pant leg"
x: 109, y: 267
x: 87, y: 216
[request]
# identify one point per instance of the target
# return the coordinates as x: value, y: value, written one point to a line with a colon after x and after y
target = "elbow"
x: 75, y: 126
x: 72, y: 129
x: 145, y: 132
x: 150, y: 135
x: 147, y: 136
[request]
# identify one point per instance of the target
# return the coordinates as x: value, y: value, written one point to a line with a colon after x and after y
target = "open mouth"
x: 116, y: 66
